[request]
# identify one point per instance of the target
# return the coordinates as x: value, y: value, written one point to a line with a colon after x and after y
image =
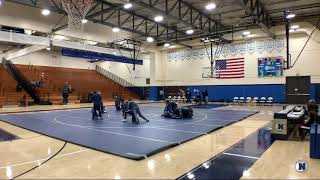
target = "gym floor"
x: 74, y: 161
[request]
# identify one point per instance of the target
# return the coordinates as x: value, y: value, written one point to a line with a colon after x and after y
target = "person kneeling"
x: 173, y: 111
x: 132, y: 109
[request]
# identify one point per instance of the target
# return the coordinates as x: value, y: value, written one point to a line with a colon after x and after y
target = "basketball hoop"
x: 77, y: 11
x: 210, y: 72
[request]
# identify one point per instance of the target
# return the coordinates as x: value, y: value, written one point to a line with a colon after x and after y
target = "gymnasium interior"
x: 159, y: 89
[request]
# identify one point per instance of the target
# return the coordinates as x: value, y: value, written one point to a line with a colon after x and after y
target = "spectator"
x: 65, y: 93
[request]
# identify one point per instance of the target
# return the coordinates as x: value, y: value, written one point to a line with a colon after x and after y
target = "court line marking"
x: 121, y: 134
x: 43, y: 159
x: 154, y: 127
x: 239, y: 155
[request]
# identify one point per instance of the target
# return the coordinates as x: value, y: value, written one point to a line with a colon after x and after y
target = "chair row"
x: 262, y: 100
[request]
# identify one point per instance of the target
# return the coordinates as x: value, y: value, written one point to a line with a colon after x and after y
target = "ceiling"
x: 181, y: 15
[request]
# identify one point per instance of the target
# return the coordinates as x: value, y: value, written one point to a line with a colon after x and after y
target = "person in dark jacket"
x: 96, y: 99
x: 117, y: 103
x: 188, y: 96
x: 65, y: 93
x: 132, y: 109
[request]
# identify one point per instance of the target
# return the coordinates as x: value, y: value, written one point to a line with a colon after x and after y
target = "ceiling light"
x: 171, y: 47
x: 45, y: 12
x: 251, y: 35
x: 166, y: 45
x: 58, y: 37
x: 1, y: 2
x: 190, y: 31
x: 211, y: 6
x: 290, y: 16
x: 115, y: 29
x: 91, y: 42
x: 291, y: 30
x: 127, y: 6
x: 158, y: 18
x: 28, y: 32
x: 84, y: 21
x: 295, y: 27
x: 48, y: 48
x: 246, y: 33
x: 150, y: 39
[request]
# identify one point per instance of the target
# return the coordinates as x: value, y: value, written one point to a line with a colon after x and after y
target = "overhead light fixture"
x: 1, y: 2
x: 58, y: 37
x: 166, y: 45
x: 290, y: 16
x: 45, y: 12
x: 211, y: 6
x: 189, y: 32
x: 251, y: 35
x: 115, y: 29
x: 295, y: 27
x: 48, y: 48
x: 28, y: 31
x: 158, y: 18
x: 246, y: 33
x: 127, y: 6
x: 91, y: 42
x: 190, y: 176
x: 150, y: 39
x: 171, y: 47
x: 84, y: 21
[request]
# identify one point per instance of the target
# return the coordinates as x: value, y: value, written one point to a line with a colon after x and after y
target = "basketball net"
x: 77, y: 11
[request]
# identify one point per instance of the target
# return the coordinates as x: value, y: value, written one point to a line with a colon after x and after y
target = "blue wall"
x: 154, y: 93
x: 227, y: 92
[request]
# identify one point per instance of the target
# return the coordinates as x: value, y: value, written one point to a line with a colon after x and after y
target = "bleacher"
x: 82, y: 82
x: 8, y: 93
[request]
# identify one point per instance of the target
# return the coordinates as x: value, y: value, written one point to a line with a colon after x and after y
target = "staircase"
x: 17, y: 75
x: 113, y: 77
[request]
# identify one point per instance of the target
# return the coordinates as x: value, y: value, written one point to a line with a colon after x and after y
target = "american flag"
x: 230, y: 68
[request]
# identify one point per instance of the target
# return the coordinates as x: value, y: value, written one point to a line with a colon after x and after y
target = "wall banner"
x: 242, y: 48
x: 279, y: 44
x: 251, y: 47
x: 260, y: 46
x: 270, y: 67
x: 233, y: 49
x: 269, y: 45
x: 225, y: 50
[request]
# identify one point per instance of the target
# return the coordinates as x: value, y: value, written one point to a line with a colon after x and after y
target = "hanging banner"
x: 176, y: 58
x: 225, y: 50
x: 188, y: 55
x: 270, y: 67
x: 279, y: 44
x: 242, y: 48
x: 183, y: 55
x: 202, y: 53
x: 269, y: 45
x: 233, y: 50
x: 195, y: 53
x: 169, y: 56
x: 251, y: 47
x: 260, y: 46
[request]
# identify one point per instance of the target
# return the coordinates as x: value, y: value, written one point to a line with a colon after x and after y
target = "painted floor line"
x: 39, y: 160
x: 239, y: 155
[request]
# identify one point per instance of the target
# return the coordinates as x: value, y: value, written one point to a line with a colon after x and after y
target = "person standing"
x: 206, y: 96
x: 96, y: 99
x: 65, y: 93
x: 188, y: 96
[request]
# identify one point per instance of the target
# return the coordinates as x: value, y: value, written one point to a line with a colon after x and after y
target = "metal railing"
x: 113, y: 77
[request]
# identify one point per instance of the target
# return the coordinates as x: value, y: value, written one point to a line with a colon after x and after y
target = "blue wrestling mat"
x: 124, y: 138
x: 207, y: 106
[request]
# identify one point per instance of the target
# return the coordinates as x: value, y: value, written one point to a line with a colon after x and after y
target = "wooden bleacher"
x: 82, y: 82
x: 8, y: 94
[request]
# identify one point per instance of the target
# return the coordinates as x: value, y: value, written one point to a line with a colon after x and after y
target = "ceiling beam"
x: 259, y: 15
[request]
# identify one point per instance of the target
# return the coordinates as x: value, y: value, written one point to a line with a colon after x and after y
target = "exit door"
x: 297, y: 89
